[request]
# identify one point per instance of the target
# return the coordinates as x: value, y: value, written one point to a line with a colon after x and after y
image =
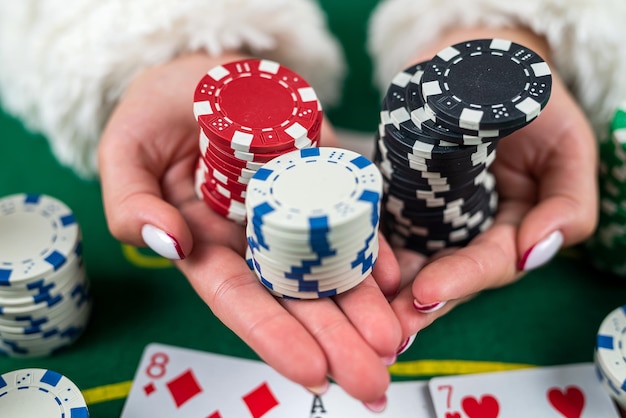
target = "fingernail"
x: 162, y: 243
x: 377, y: 406
x: 319, y: 390
x: 431, y: 307
x: 389, y: 360
x: 542, y: 252
x: 406, y: 344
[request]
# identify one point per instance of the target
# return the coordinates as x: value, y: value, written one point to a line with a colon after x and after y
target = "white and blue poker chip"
x: 44, y: 291
x: 313, y: 189
x: 39, y: 234
x: 313, y: 218
x: 610, y: 354
x: 37, y: 393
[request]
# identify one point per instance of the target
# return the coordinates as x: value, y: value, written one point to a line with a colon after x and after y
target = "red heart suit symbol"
x: 453, y: 415
x: 569, y: 403
x: 486, y: 407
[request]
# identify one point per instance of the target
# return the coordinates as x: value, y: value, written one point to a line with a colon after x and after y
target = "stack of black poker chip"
x: 440, y: 124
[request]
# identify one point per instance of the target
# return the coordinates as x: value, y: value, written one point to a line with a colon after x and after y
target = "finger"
x: 411, y: 320
x: 352, y: 363
x: 370, y: 313
x: 562, y: 166
x: 146, y: 147
x: 328, y: 137
x: 567, y: 210
x: 410, y: 262
x: 224, y: 281
x: 488, y: 261
x: 549, y: 199
x: 135, y: 209
x: 386, y: 271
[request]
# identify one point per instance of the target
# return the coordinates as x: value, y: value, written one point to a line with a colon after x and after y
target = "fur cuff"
x: 586, y: 39
x: 65, y: 66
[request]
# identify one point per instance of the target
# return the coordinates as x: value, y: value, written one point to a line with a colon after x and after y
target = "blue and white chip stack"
x: 313, y: 217
x: 44, y: 292
x: 610, y: 355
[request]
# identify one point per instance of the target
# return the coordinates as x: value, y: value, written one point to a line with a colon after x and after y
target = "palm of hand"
x: 545, y: 178
x: 147, y: 160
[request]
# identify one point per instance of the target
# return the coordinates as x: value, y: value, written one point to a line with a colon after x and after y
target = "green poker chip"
x: 607, y: 246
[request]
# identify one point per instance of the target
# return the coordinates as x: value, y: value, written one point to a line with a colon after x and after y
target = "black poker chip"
x: 417, y: 163
x: 431, y: 124
x: 440, y: 124
x: 486, y: 84
x: 402, y: 143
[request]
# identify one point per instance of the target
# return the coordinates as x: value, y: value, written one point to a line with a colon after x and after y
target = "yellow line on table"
x: 422, y: 368
x: 107, y: 392
x: 417, y: 369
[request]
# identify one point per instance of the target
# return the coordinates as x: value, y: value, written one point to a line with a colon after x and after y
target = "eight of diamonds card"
x: 571, y: 391
x: 176, y: 382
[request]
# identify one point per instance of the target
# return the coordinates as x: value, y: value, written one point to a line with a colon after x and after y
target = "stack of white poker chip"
x: 40, y: 393
x: 44, y: 292
x: 313, y: 217
x: 610, y: 354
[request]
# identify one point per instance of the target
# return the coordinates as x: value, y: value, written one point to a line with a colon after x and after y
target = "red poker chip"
x: 235, y: 172
x: 225, y: 145
x: 235, y: 165
x: 213, y: 176
x: 207, y: 147
x: 232, y: 161
x: 218, y: 182
x: 265, y: 158
x: 256, y: 106
x: 247, y: 159
x: 221, y: 173
x: 244, y: 157
x: 258, y: 157
x: 228, y: 208
x: 225, y: 191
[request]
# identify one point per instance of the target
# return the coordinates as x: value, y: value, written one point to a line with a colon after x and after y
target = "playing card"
x: 404, y: 400
x: 175, y: 382
x: 571, y: 391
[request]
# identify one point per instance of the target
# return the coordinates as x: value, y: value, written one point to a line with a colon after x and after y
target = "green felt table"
x: 549, y: 317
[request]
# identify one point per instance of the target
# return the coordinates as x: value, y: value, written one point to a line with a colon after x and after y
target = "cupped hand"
x: 546, y: 181
x: 147, y: 158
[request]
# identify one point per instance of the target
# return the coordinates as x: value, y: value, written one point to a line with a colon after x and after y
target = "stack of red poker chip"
x: 249, y: 112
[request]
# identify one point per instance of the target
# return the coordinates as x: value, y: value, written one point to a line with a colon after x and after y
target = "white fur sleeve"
x: 587, y: 40
x: 64, y: 65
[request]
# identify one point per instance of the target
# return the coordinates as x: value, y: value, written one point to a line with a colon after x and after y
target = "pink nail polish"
x: 431, y: 307
x: 542, y: 252
x: 377, y: 406
x: 162, y: 243
x: 406, y: 344
x: 389, y: 360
